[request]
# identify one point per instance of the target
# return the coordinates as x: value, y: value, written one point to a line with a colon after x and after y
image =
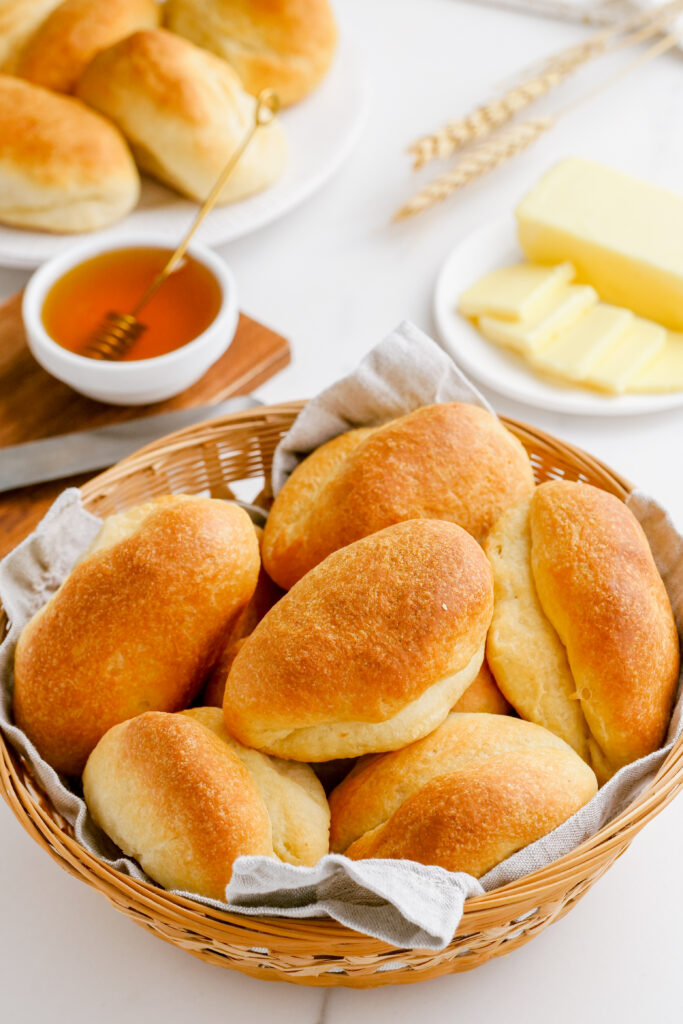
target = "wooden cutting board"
x: 34, y: 405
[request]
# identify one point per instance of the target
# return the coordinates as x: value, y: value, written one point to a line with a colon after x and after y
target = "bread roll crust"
x: 136, y: 624
x: 472, y: 819
x: 285, y: 546
x: 174, y: 796
x: 292, y: 794
x: 62, y: 167
x: 523, y: 649
x: 373, y: 646
x: 286, y: 45
x: 452, y: 461
x: 599, y: 587
x: 184, y: 112
x: 59, y: 51
x: 379, y: 784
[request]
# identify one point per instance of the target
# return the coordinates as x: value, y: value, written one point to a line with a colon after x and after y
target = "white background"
x: 335, y: 276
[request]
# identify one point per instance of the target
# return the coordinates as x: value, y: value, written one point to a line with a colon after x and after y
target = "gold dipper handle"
x: 267, y: 106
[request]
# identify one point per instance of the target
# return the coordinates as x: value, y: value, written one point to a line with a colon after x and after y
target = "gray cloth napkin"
x: 405, y: 904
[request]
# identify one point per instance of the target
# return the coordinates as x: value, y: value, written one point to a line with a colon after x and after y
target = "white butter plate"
x: 322, y: 131
x: 492, y: 246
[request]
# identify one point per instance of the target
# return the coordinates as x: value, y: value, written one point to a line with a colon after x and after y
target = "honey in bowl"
x: 183, y: 307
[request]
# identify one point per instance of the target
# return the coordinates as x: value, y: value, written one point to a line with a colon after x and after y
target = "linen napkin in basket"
x: 402, y: 903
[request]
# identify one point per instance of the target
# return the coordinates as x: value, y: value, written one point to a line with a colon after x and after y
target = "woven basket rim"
x: 537, y: 885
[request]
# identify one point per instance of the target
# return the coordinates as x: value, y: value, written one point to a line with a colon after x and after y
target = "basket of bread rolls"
x: 93, y: 93
x: 427, y: 652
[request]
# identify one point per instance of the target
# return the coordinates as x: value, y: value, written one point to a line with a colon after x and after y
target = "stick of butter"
x: 577, y: 349
x: 665, y: 373
x: 634, y: 351
x: 624, y: 236
x: 530, y: 336
x: 514, y: 293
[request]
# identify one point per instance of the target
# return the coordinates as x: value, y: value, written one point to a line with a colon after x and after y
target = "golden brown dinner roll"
x: 286, y: 45
x: 18, y: 21
x: 369, y: 651
x: 171, y: 794
x: 474, y: 819
x: 181, y: 796
x: 71, y: 35
x: 483, y: 695
x: 583, y: 638
x: 136, y: 624
x: 599, y: 586
x: 464, y: 798
x: 523, y: 650
x: 295, y: 799
x: 453, y: 461
x: 62, y: 166
x: 184, y: 112
x: 380, y: 783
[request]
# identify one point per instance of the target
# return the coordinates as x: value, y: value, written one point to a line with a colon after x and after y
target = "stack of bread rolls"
x: 456, y: 656
x: 174, y: 101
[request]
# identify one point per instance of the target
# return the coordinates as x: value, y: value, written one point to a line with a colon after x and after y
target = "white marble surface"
x: 334, y: 276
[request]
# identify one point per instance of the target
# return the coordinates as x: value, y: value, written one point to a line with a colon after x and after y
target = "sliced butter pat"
x: 634, y: 351
x: 665, y: 373
x: 515, y: 293
x: 622, y: 235
x: 577, y: 349
x: 530, y: 336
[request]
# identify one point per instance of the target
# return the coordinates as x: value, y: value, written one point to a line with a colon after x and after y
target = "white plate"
x: 486, y: 249
x: 322, y: 131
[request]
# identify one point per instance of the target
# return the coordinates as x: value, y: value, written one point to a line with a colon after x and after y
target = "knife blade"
x: 53, y: 458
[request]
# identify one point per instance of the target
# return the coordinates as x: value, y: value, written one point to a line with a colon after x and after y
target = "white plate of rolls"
x: 398, y: 628
x: 107, y: 118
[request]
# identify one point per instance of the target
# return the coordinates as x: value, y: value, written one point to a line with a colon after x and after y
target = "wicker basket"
x: 209, y: 458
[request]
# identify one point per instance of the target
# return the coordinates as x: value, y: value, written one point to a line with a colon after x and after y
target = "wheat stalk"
x: 510, y: 141
x: 475, y: 164
x: 487, y: 118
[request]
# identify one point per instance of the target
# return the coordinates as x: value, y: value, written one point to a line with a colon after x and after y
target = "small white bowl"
x: 143, y: 380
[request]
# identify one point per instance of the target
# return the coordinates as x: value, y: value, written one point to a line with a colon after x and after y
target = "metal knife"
x: 68, y: 454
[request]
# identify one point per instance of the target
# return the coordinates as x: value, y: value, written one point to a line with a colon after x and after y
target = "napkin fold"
x: 405, y: 904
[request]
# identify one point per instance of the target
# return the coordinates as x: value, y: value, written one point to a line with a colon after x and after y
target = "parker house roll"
x: 464, y: 798
x: 369, y: 651
x: 62, y: 167
x: 185, y: 799
x: 59, y: 51
x: 286, y: 45
x: 453, y: 461
x: 583, y: 639
x: 184, y: 112
x: 136, y: 625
